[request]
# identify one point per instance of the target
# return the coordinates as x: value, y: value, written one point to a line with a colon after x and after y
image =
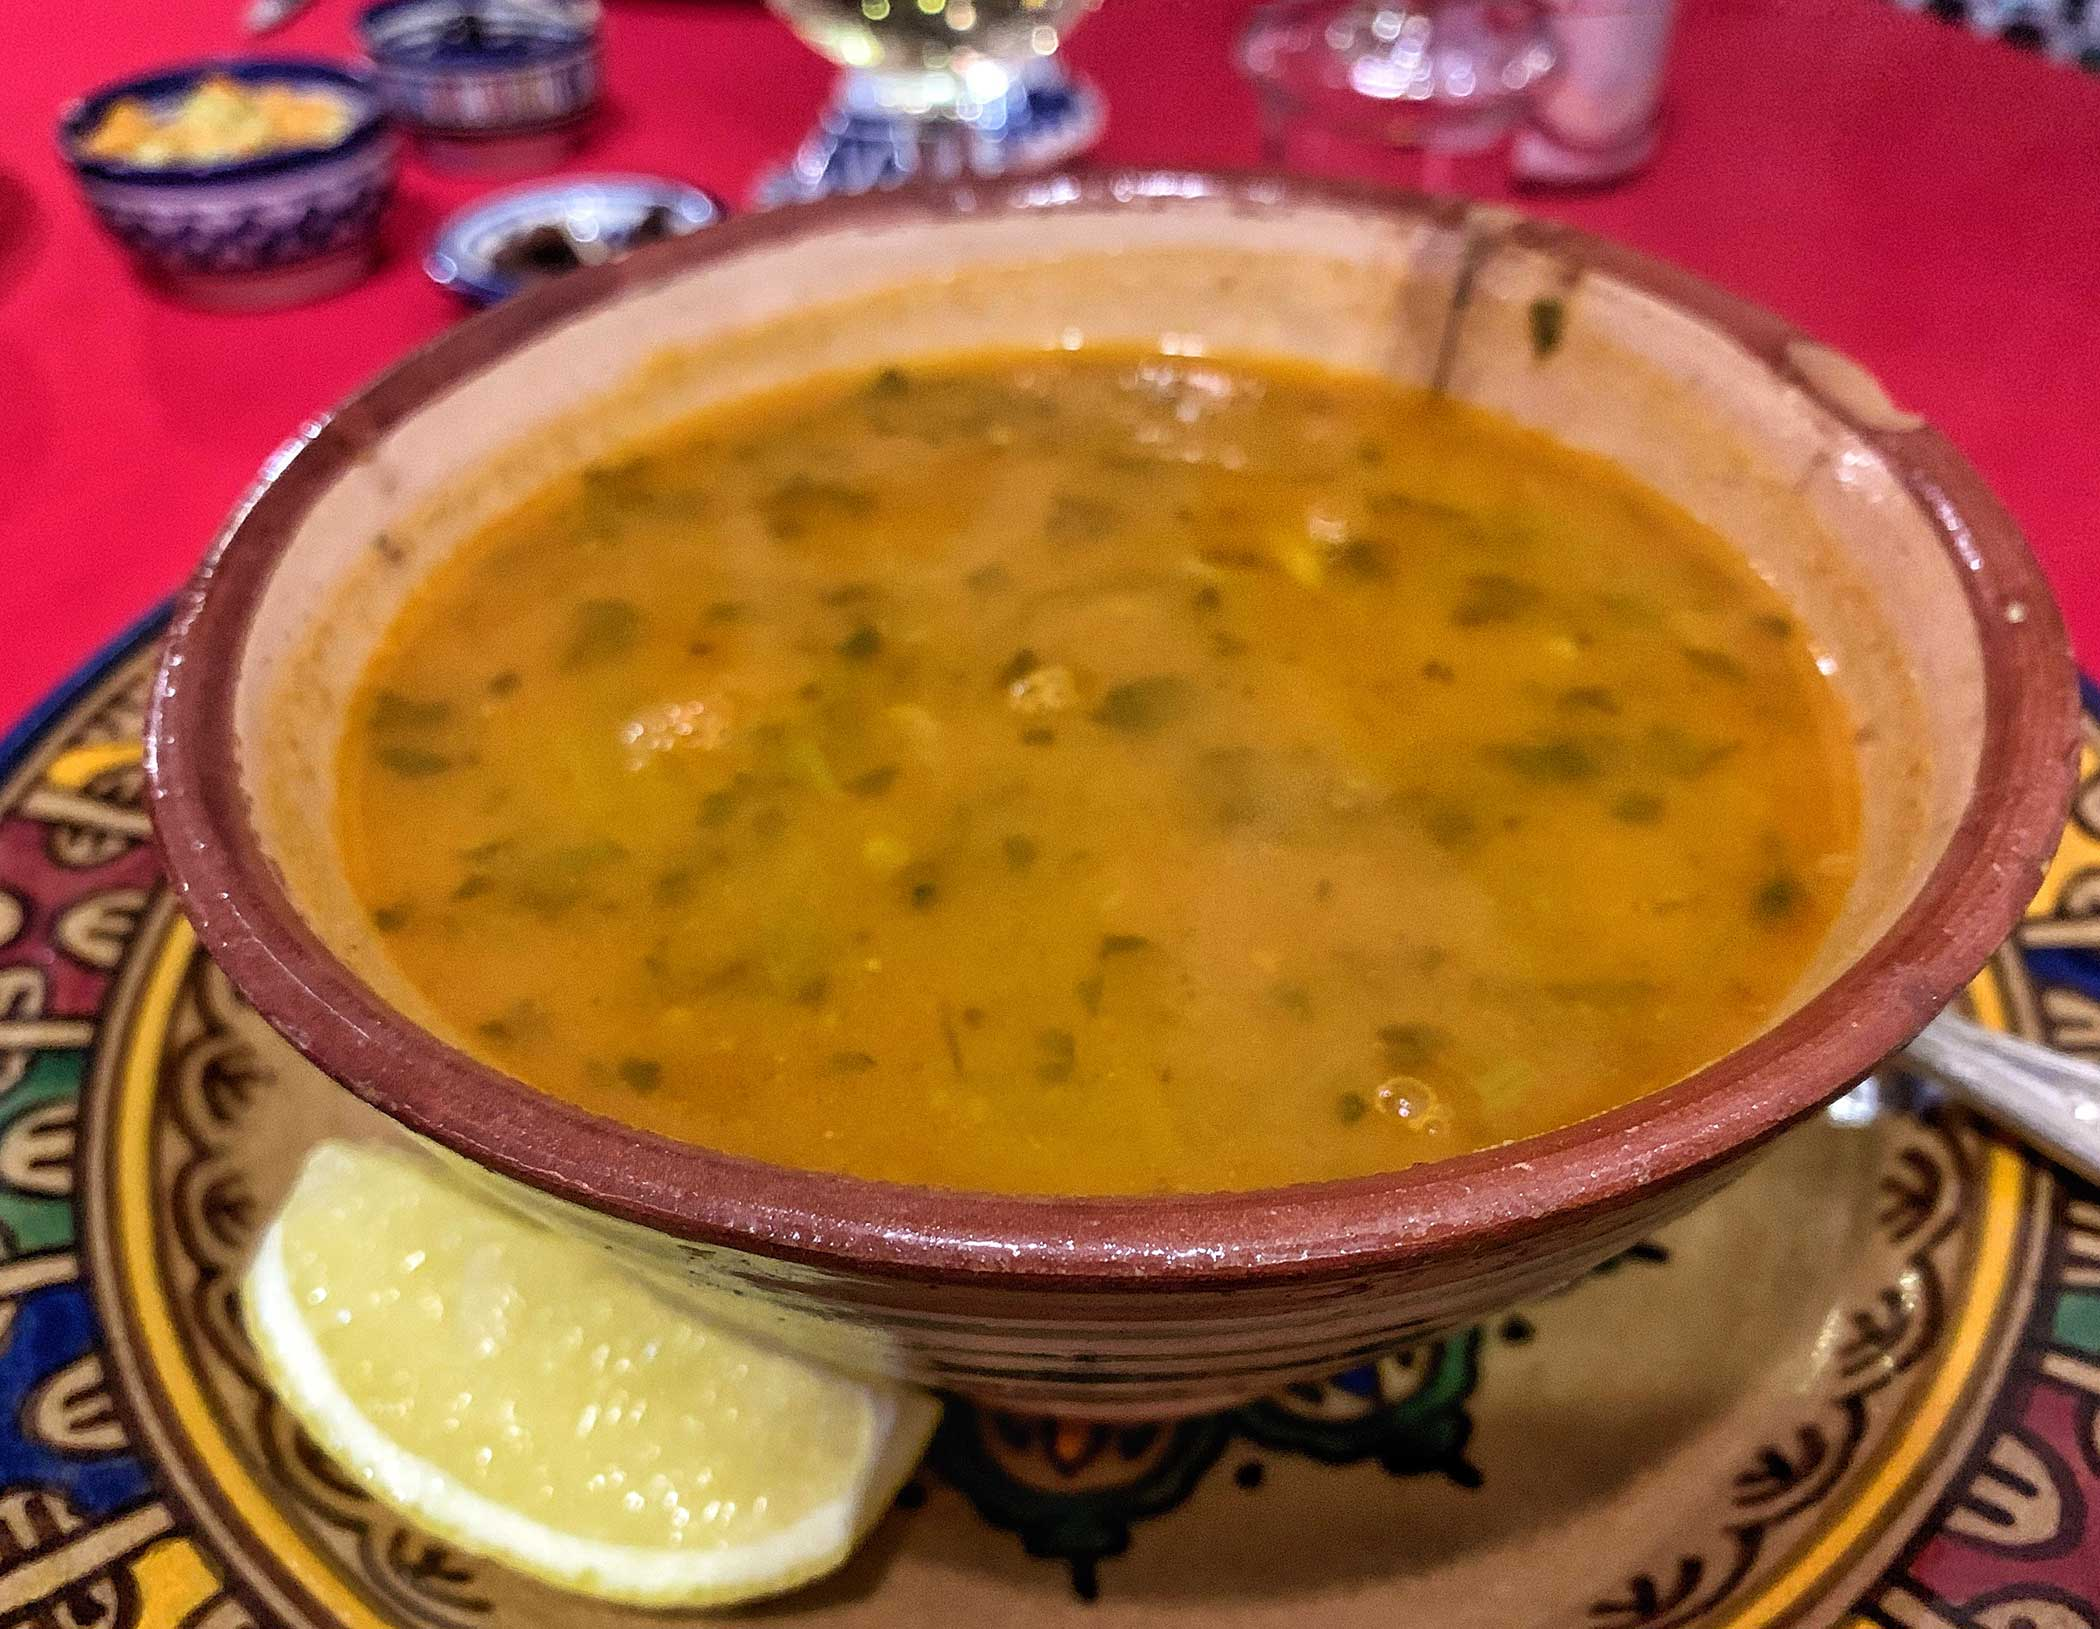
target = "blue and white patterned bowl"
x: 605, y: 211
x: 274, y: 229
x: 461, y: 70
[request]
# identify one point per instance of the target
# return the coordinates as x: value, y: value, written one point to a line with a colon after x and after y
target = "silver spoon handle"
x: 2049, y: 1099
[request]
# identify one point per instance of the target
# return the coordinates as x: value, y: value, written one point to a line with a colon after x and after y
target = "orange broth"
x: 1098, y: 773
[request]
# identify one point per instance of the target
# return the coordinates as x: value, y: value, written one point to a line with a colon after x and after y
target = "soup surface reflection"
x: 1098, y: 773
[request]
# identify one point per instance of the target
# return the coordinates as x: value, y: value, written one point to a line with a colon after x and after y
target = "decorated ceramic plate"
x: 1861, y: 1386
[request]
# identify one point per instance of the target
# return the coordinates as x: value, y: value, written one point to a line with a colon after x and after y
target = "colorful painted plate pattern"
x: 1862, y: 1386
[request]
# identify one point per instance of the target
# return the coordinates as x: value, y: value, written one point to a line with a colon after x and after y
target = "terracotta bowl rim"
x: 1444, y: 1211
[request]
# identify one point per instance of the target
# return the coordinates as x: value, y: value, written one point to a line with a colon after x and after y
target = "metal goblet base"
x: 862, y: 143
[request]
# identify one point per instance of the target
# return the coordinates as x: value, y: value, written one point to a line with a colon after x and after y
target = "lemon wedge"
x: 508, y: 1388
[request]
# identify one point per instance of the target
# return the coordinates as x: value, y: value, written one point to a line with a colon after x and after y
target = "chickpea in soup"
x: 1098, y: 773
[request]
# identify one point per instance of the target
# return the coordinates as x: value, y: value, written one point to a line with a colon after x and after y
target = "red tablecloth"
x: 1924, y: 200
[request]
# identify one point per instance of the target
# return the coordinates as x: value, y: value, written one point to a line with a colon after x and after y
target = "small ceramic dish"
x: 498, y: 245
x: 1907, y: 576
x: 487, y: 84
x: 281, y: 227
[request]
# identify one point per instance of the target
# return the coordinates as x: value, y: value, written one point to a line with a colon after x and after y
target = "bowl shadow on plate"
x: 1565, y: 1441
x: 1323, y: 1554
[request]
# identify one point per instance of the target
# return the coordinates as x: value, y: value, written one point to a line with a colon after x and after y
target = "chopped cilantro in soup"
x: 1098, y: 773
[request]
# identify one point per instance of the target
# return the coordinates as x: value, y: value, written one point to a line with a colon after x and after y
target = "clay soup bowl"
x: 1904, y: 570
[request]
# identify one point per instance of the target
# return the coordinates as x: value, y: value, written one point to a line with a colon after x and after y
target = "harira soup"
x: 1098, y: 772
